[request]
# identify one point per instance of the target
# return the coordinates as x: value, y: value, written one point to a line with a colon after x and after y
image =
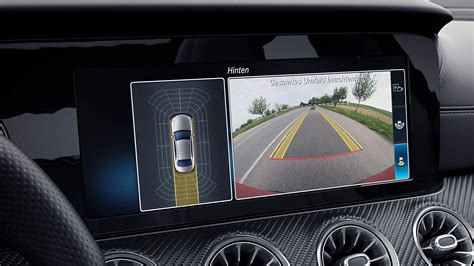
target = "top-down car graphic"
x: 182, y: 136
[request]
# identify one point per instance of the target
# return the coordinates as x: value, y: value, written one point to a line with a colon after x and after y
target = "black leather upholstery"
x: 36, y: 218
x: 457, y: 141
x: 456, y: 53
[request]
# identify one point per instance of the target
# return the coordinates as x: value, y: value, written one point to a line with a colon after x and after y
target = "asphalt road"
x: 309, y: 149
x: 250, y: 147
x: 315, y: 138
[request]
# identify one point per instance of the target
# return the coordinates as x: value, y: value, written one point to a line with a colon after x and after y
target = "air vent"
x: 353, y: 243
x: 245, y: 250
x: 125, y: 258
x: 443, y: 237
x: 3, y: 130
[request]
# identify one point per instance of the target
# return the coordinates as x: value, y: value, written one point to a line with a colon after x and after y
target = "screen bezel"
x: 281, y: 203
x: 423, y: 178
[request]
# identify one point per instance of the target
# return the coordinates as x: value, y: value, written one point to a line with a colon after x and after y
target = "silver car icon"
x: 182, y: 136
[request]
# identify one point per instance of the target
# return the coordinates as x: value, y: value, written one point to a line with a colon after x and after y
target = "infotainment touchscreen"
x: 157, y: 139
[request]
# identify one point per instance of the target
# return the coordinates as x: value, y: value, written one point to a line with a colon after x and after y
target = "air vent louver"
x: 245, y: 251
x: 443, y: 238
x: 353, y: 243
x: 126, y: 258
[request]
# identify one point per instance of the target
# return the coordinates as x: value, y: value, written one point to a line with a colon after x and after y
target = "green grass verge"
x: 384, y: 129
x: 387, y: 113
x: 255, y: 123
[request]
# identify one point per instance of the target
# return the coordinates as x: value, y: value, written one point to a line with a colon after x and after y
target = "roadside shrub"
x: 246, y: 123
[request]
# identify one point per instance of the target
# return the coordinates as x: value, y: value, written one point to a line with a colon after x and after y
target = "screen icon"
x: 401, y: 161
x: 397, y: 88
x: 399, y: 125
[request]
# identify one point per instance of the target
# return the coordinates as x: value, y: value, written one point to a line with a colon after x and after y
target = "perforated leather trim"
x: 36, y: 218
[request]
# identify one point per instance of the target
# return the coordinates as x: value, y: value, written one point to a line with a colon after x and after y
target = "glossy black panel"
x: 92, y: 19
x: 37, y: 106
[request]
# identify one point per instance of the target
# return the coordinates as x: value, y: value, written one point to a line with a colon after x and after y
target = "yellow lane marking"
x: 282, y: 147
x: 186, y: 185
x: 350, y: 141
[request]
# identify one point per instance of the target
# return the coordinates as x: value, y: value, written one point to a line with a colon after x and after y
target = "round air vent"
x: 245, y: 250
x: 351, y: 243
x: 125, y: 258
x: 443, y: 237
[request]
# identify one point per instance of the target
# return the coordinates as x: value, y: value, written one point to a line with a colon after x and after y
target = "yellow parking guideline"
x: 282, y: 147
x: 186, y: 186
x: 350, y: 141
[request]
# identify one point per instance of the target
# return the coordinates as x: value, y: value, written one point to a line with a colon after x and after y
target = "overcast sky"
x: 295, y: 89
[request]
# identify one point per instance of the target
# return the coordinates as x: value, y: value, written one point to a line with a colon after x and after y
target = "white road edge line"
x: 245, y: 138
x: 242, y: 180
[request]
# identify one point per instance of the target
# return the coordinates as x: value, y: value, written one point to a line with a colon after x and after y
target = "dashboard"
x: 272, y: 142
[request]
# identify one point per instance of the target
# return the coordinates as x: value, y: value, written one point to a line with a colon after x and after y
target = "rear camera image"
x: 298, y: 133
x: 181, y: 143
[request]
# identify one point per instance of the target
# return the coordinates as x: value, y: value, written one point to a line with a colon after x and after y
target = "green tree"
x: 281, y: 107
x: 249, y: 121
x: 325, y: 99
x: 364, y: 87
x: 339, y: 94
x: 258, y: 106
x: 314, y: 101
x: 278, y: 107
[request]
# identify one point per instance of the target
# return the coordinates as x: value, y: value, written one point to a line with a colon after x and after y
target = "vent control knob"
x: 358, y: 259
x: 440, y: 245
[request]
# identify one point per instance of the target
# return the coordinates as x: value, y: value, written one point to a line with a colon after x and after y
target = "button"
x: 401, y: 161
x: 399, y: 125
x: 398, y: 88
